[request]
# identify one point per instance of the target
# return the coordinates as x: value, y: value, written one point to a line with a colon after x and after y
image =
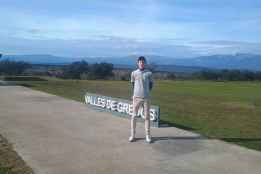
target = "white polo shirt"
x: 141, y: 79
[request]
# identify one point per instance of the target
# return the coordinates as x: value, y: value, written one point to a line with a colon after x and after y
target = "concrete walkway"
x: 59, y: 136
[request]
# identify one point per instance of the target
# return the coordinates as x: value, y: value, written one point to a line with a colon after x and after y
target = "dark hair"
x: 141, y: 58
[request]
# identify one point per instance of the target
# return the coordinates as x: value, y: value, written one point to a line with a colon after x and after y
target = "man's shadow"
x: 170, y: 124
x: 197, y: 137
x: 164, y: 138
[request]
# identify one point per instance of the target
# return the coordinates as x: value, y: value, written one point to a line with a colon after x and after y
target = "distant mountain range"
x: 167, y: 68
x: 236, y: 61
x: 39, y: 59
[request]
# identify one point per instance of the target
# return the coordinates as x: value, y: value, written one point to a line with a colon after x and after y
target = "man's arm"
x: 151, y: 85
x: 151, y: 82
x: 132, y: 80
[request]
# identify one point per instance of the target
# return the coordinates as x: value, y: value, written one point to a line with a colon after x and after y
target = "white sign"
x: 117, y: 106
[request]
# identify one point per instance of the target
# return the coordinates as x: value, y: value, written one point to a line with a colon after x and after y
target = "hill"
x: 236, y: 61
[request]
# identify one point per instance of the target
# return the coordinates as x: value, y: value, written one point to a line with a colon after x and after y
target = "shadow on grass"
x: 169, y: 124
x: 237, y: 140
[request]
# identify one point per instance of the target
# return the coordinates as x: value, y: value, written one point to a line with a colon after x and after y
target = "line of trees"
x: 8, y: 67
x: 83, y: 70
x: 228, y: 75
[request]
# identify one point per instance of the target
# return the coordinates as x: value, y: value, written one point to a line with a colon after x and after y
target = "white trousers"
x: 137, y: 103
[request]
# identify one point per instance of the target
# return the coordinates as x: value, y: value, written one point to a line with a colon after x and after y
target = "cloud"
x: 225, y: 47
x: 103, y: 45
x: 172, y: 28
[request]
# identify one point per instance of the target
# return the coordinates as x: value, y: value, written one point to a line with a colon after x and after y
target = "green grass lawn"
x: 230, y: 111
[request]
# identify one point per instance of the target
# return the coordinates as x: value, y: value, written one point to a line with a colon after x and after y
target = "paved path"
x: 59, y: 136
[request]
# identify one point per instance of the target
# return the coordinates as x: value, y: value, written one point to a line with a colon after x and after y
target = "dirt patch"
x: 10, y: 161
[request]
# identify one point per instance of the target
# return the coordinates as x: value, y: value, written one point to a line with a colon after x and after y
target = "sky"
x: 89, y: 28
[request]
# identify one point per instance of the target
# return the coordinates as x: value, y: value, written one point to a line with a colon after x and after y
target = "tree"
x: 101, y: 70
x: 74, y: 70
x: 171, y: 76
x: 82, y: 70
x: 152, y: 67
x: 258, y: 75
x: 8, y: 67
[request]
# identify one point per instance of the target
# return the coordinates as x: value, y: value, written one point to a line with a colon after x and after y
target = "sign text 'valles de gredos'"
x: 121, y: 107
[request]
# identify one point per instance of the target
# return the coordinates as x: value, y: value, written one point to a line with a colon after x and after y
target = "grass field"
x: 230, y: 111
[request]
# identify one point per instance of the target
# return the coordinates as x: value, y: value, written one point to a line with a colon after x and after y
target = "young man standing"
x: 142, y: 83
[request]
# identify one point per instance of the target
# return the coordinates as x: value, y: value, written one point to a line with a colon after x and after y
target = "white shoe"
x: 148, y: 139
x: 131, y: 139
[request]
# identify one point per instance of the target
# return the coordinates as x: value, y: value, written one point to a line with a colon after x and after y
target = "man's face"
x: 141, y: 64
